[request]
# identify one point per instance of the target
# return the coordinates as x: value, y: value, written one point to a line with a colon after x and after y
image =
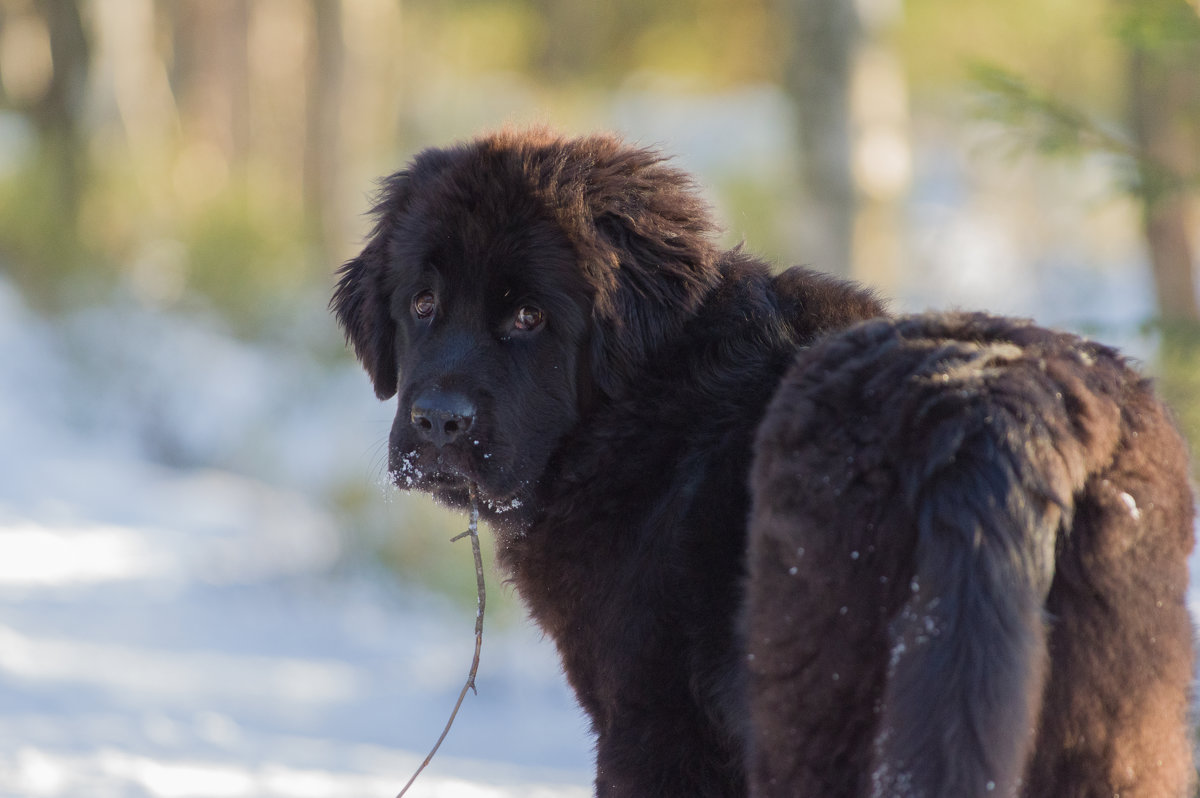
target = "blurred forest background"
x: 206, y: 587
x: 214, y: 158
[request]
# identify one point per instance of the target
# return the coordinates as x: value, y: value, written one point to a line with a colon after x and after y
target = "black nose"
x: 440, y: 417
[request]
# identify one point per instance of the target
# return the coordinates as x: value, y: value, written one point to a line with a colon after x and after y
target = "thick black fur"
x: 968, y: 570
x: 782, y: 549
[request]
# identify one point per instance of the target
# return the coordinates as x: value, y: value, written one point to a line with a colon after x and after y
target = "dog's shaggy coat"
x: 785, y: 545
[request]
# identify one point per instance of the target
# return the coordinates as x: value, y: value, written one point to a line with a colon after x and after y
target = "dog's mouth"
x: 448, y: 475
x: 413, y: 470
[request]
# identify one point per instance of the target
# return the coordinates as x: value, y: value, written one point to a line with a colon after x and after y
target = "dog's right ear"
x: 360, y: 304
x: 362, y: 300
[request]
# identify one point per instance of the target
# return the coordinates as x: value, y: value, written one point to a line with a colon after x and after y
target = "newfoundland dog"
x: 786, y: 544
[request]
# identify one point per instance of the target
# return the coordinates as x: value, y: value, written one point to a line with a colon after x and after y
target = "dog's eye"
x: 423, y: 304
x: 528, y: 318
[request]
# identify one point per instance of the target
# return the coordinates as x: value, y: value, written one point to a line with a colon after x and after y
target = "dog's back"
x: 978, y: 586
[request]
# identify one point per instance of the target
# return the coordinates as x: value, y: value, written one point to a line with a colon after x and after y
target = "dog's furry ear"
x: 361, y: 301
x: 360, y: 304
x: 650, y: 249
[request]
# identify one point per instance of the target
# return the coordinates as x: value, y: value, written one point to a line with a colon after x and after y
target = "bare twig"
x: 473, y: 532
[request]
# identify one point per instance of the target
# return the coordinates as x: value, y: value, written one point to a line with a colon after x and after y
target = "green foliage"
x: 1040, y: 120
x: 1043, y: 120
x: 715, y: 42
x: 1160, y: 26
x: 245, y: 256
x: 1160, y: 41
x: 479, y: 36
x: 1044, y: 123
x: 1178, y: 376
x: 1065, y: 44
x: 245, y: 251
x: 755, y: 220
x: 39, y: 236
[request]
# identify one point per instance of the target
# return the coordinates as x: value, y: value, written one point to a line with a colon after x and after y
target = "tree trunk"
x: 211, y: 74
x: 1164, y: 101
x: 322, y: 144
x: 58, y: 117
x: 820, y: 71
x: 1164, y: 109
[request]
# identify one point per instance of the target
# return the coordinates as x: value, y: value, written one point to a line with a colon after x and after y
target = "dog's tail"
x: 997, y: 459
x: 927, y: 489
x: 968, y: 656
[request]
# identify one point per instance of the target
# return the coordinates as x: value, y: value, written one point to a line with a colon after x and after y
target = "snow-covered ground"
x: 195, y: 631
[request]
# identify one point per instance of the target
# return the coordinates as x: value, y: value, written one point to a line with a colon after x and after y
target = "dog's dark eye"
x: 528, y: 318
x: 423, y: 304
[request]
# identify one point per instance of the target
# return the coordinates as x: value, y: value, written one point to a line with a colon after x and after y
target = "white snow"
x: 193, y: 629
x: 1131, y: 505
x: 196, y: 629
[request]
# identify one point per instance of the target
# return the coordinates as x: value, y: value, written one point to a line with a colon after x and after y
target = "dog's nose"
x: 440, y: 417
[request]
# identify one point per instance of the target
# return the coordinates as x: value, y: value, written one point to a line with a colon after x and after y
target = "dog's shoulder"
x: 815, y: 303
x: 777, y: 310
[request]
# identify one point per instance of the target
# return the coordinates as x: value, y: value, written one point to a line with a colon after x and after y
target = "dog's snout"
x: 442, y: 417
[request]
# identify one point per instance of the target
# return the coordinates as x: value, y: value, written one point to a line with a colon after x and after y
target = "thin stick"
x: 481, y: 601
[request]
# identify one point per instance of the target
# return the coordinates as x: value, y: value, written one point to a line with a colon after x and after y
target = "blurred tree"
x: 257, y: 88
x: 322, y: 142
x: 58, y: 112
x: 581, y: 38
x: 45, y: 231
x: 1156, y: 147
x: 819, y: 70
x: 1163, y: 42
x: 851, y: 99
x: 210, y: 74
x: 710, y: 43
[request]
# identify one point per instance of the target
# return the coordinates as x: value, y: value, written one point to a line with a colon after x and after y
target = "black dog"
x: 784, y: 544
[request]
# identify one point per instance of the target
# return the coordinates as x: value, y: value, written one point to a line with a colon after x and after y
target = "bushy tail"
x: 968, y: 660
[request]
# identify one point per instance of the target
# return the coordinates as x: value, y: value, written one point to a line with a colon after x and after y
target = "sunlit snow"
x: 169, y: 632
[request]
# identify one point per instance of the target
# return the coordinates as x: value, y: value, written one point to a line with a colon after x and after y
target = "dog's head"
x: 510, y: 284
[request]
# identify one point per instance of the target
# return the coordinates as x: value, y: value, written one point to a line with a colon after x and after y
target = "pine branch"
x: 1056, y: 127
x: 1051, y: 124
